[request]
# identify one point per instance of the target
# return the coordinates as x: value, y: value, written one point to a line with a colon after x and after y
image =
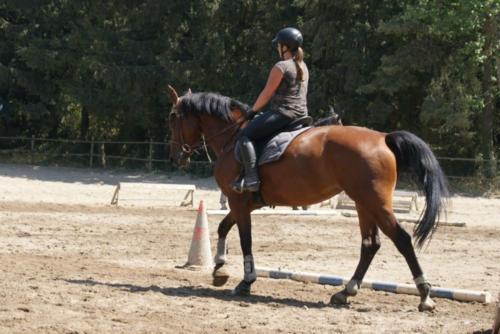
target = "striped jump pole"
x: 409, y: 289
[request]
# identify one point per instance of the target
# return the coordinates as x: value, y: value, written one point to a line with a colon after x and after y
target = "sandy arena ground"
x: 72, y: 263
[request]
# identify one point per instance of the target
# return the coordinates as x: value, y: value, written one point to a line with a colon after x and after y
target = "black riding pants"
x: 265, y: 125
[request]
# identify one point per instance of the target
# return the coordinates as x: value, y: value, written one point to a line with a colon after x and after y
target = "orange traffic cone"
x: 200, y: 253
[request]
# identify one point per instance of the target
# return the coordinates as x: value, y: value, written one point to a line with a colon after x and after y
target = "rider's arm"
x: 272, y: 84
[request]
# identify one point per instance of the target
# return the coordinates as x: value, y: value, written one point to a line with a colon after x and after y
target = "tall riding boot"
x: 250, y: 181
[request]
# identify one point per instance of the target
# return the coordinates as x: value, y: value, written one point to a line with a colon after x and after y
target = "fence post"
x: 91, y: 158
x: 32, y: 149
x: 150, y: 156
x: 103, y: 156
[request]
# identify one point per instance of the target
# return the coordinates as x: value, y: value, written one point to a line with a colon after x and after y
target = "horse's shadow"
x: 221, y: 294
x: 203, y: 292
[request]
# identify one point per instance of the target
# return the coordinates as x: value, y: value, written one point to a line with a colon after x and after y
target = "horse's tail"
x: 414, y: 156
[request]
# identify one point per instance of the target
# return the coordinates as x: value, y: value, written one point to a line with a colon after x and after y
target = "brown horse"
x: 318, y: 164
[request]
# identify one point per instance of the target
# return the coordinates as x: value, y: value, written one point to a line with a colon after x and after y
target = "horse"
x: 318, y: 164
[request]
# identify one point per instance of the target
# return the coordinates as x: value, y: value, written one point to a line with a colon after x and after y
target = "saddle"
x: 271, y: 148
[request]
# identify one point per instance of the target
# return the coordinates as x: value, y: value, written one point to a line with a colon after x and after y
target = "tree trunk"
x: 487, y: 121
x: 84, y: 123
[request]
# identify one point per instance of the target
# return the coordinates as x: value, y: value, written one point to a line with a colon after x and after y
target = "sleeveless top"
x: 290, y: 99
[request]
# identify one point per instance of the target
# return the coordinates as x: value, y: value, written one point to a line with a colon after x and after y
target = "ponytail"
x: 298, y: 59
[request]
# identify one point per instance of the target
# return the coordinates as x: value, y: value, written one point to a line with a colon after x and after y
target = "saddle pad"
x: 272, y: 150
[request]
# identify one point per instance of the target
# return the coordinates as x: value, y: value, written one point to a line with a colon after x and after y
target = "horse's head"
x: 199, y: 118
x: 185, y: 131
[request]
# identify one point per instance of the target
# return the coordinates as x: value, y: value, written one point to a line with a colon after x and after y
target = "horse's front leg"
x: 245, y: 230
x: 220, y: 275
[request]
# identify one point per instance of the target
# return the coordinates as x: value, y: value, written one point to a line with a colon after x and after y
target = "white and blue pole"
x: 410, y: 289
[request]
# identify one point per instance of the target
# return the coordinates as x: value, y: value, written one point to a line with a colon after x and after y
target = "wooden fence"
x: 96, y: 154
x: 99, y: 153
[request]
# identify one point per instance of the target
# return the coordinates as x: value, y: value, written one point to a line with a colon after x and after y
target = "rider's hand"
x: 249, y: 113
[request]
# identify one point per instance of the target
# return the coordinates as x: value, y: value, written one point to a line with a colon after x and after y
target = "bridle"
x: 188, y: 150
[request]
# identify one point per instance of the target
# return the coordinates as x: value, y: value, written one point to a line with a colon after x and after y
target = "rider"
x: 286, y: 89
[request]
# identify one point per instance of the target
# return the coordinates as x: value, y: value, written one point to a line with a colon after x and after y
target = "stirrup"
x: 252, y: 187
x: 238, y: 185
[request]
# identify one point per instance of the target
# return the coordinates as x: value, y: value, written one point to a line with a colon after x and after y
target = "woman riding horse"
x: 318, y: 164
x: 286, y: 88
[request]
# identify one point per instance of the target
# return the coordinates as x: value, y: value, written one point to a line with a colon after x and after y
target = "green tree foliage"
x: 431, y: 79
x: 99, y: 68
x: 345, y: 49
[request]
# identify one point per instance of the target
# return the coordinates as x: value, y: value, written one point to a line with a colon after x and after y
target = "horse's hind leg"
x: 386, y: 221
x: 370, y: 244
x: 390, y: 226
x: 220, y: 275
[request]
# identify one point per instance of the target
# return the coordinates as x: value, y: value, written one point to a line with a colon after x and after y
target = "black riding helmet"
x: 290, y: 37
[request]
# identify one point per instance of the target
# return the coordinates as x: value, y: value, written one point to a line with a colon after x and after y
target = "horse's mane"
x: 211, y: 104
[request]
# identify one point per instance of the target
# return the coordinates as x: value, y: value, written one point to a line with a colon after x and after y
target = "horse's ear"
x: 174, y: 98
x: 189, y: 91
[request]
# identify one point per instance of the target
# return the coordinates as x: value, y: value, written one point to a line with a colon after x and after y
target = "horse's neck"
x: 218, y: 133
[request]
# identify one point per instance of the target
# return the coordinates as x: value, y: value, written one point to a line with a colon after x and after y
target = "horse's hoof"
x: 242, y: 289
x: 427, y: 305
x: 220, y: 277
x: 340, y: 298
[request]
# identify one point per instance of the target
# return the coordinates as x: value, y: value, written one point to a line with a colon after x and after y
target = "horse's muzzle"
x: 183, y: 162
x: 180, y: 161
